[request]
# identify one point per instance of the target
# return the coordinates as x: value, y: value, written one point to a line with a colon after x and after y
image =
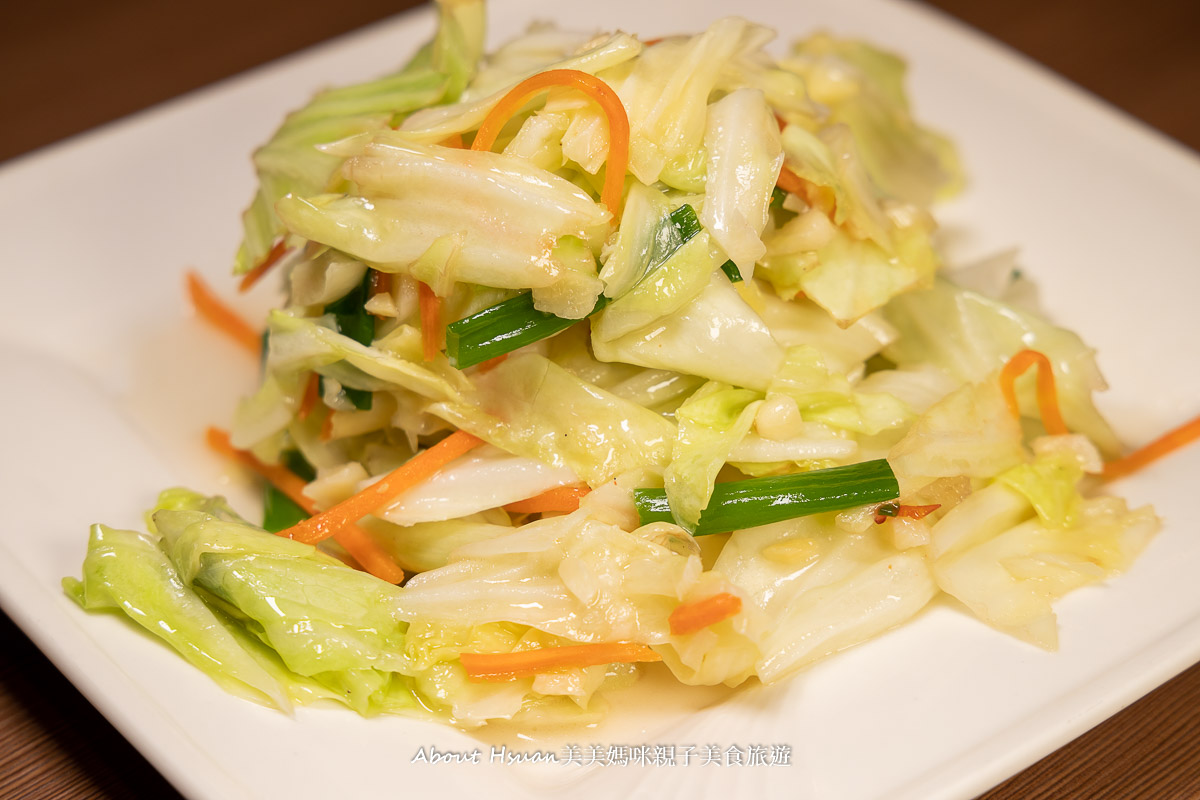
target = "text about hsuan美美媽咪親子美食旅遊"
x: 618, y: 755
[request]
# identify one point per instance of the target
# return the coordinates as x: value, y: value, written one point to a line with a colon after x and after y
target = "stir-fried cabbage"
x: 292, y: 161
x: 969, y: 335
x: 1014, y: 564
x: 741, y: 322
x: 716, y: 336
x: 131, y: 572
x: 711, y: 423
x: 744, y: 156
x: 504, y: 216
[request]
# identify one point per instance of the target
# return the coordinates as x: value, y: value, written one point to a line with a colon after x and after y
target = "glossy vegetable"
x: 516, y: 322
x: 761, y: 501
x: 779, y: 433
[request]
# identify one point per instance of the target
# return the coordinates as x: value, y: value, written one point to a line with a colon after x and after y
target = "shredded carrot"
x: 597, y: 90
x: 354, y: 539
x: 312, y: 395
x: 1053, y: 421
x: 220, y: 316
x: 492, y: 363
x: 326, y: 427
x: 1047, y: 397
x: 691, y: 617
x: 452, y: 141
x: 370, y: 556
x: 909, y: 512
x: 917, y: 512
x: 523, y: 663
x: 417, y: 469
x: 818, y: 197
x: 561, y: 498
x: 791, y: 183
x: 283, y: 478
x: 271, y: 259
x: 1167, y: 443
x: 431, y: 321
x: 652, y: 42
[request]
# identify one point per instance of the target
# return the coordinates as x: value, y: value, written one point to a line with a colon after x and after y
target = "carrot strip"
x: 910, y: 512
x: 819, y: 197
x: 271, y: 259
x: 790, y: 182
x: 370, y: 556
x: 1047, y: 396
x: 312, y: 395
x: 283, y: 478
x: 357, y: 542
x: 418, y: 468
x: 455, y: 141
x: 561, y: 498
x: 691, y: 617
x: 509, y: 666
x: 1167, y: 443
x: 597, y: 90
x: 430, y: 306
x: 492, y: 363
x: 326, y: 427
x: 220, y: 316
x: 917, y: 512
x: 1053, y: 421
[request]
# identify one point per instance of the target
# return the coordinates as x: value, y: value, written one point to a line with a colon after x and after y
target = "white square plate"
x: 109, y: 384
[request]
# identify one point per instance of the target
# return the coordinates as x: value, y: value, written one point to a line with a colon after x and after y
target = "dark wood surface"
x: 68, y: 65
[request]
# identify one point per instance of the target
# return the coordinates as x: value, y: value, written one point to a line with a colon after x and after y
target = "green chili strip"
x: 761, y: 501
x: 514, y: 323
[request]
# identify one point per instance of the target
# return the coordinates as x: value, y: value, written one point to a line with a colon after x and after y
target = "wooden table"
x: 79, y: 64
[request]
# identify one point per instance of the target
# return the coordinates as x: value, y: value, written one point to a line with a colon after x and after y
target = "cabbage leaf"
x: 711, y: 422
x: 292, y: 163
x: 970, y: 336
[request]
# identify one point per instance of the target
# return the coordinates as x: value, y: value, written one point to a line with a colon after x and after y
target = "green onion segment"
x: 761, y: 501
x: 280, y: 512
x: 732, y: 272
x: 352, y: 318
x: 354, y: 321
x: 502, y: 328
